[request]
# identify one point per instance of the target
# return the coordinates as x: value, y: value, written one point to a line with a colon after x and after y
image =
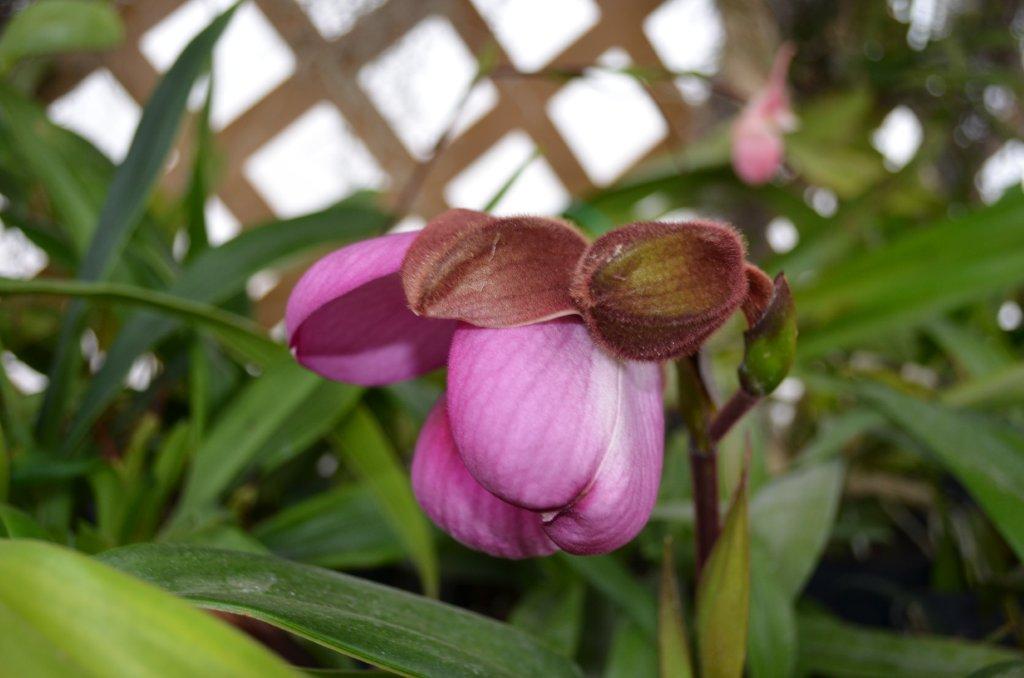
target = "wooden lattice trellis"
x: 327, y: 70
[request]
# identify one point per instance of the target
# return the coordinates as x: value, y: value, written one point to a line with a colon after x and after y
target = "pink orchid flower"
x: 551, y: 433
x: 757, y: 134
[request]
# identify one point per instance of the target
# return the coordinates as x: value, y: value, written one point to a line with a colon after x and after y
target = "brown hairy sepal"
x: 657, y: 291
x: 492, y: 271
x: 759, y: 292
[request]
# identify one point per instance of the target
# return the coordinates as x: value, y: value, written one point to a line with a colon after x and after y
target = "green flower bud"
x: 770, y: 343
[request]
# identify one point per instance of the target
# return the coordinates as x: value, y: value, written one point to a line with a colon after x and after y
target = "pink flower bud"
x: 757, y: 134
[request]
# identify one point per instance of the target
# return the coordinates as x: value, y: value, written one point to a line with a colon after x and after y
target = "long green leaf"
x: 217, y: 275
x: 1008, y: 669
x: 311, y: 421
x: 55, y: 26
x: 125, y: 202
x: 613, y: 580
x: 62, y: 611
x: 835, y: 432
x: 144, y: 164
x: 201, y: 181
x: 915, y: 277
x: 235, y: 329
x: 13, y: 413
x: 792, y: 518
x: 633, y: 653
x: 5, y: 467
x: 37, y: 146
x: 723, y: 596
x: 985, y: 456
x: 772, y: 639
x: 382, y: 626
x: 249, y: 420
x: 363, y: 447
x: 673, y: 644
x: 1005, y: 387
x: 553, y: 613
x: 341, y: 529
x: 830, y: 647
x: 16, y: 524
x: 974, y: 353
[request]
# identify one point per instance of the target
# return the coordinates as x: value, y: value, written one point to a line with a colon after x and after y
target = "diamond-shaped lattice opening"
x: 19, y: 256
x: 898, y: 138
x: 249, y: 61
x: 313, y: 162
x: 536, y: 191
x: 334, y: 19
x: 100, y: 110
x: 1010, y: 316
x: 1003, y: 170
x: 221, y: 224
x: 142, y: 372
x: 413, y: 222
x: 533, y: 33
x: 418, y: 82
x: 688, y: 36
x: 781, y: 234
x: 607, y: 119
x: 25, y: 378
x: 261, y: 284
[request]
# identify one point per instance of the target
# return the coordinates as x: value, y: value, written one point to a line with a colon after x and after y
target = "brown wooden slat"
x: 328, y: 70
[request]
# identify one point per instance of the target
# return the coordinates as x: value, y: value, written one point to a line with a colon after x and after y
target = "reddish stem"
x: 704, y: 472
x: 706, y: 427
x: 731, y: 412
x: 697, y: 407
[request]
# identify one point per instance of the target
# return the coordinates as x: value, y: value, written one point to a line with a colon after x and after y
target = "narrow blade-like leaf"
x: 56, y: 26
x: 829, y: 647
x: 125, y: 202
x: 101, y: 622
x: 723, y: 596
x: 234, y: 330
x: 383, y: 626
x: 772, y: 634
x: 673, y: 644
x: 240, y: 432
x: 988, y: 458
x: 792, y: 517
x: 217, y: 275
x: 613, y: 580
x: 363, y: 447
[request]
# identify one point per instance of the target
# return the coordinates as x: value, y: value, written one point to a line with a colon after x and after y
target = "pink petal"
x: 535, y: 409
x: 347, y: 317
x: 757, y: 144
x: 461, y: 506
x: 757, y: 151
x: 618, y: 503
x: 773, y: 100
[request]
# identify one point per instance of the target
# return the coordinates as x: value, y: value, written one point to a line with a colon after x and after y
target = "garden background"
x: 168, y: 169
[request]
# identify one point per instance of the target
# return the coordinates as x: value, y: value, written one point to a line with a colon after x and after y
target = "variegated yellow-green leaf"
x: 66, y: 614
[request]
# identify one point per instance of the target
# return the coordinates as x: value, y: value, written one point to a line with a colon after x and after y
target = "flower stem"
x: 740, y: 403
x: 704, y: 471
x: 697, y: 408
